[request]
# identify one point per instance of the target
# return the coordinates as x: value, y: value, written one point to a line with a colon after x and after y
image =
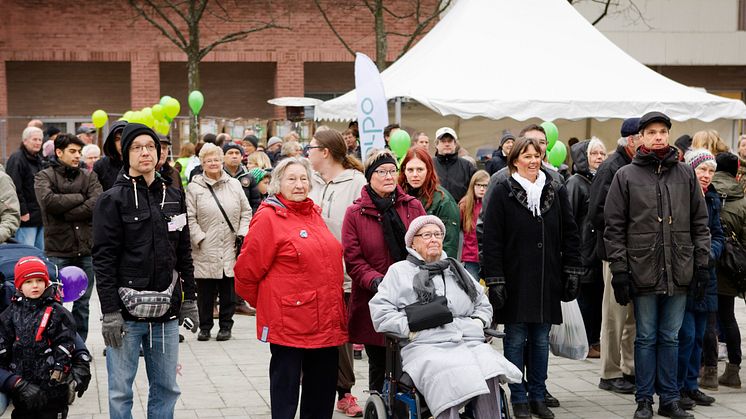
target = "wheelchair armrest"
x: 494, y: 333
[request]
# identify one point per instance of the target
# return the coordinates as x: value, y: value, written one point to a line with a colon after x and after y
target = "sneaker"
x: 644, y: 410
x: 348, y: 405
x: 685, y: 402
x: 617, y: 385
x: 674, y: 410
x: 701, y: 399
x: 203, y: 335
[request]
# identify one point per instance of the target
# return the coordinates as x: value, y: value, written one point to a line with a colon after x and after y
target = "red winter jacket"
x: 367, y: 257
x: 290, y: 269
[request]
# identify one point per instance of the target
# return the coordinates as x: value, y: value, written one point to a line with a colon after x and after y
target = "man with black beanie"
x: 107, y: 168
x: 141, y: 243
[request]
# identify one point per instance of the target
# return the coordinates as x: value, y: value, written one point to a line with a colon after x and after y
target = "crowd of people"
x: 329, y: 248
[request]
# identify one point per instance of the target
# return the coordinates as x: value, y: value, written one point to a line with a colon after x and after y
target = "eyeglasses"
x: 139, y: 148
x: 427, y: 236
x: 383, y: 173
x: 482, y: 185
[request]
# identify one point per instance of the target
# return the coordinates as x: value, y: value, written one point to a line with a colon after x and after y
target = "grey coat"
x: 10, y: 210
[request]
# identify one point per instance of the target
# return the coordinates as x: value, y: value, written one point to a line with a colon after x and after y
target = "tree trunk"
x: 381, y: 46
x: 193, y: 85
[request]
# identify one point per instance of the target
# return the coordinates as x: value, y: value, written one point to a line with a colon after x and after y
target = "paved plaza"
x: 230, y: 380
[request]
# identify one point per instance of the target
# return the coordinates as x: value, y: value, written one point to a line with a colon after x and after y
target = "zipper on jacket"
x: 543, y: 267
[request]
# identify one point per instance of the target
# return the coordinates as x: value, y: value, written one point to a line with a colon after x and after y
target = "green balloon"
x: 557, y: 154
x: 196, y: 101
x: 399, y: 142
x: 552, y: 133
x: 172, y: 107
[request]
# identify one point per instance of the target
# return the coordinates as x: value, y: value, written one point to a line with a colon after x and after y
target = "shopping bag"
x: 568, y: 339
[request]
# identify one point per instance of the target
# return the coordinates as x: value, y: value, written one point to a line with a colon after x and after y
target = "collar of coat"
x: 547, y: 196
x: 643, y: 158
x: 283, y: 207
x: 343, y: 176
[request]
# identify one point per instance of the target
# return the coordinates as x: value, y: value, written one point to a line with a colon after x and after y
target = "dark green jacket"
x: 733, y: 216
x: 446, y: 208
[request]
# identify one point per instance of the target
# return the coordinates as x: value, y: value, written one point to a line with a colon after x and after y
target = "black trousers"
x: 318, y: 367
x: 710, y: 341
x: 51, y: 413
x: 729, y: 330
x: 376, y: 366
x: 206, y: 290
x: 590, y: 298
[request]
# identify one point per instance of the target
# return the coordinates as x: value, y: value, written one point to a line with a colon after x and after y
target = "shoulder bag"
x: 238, y: 244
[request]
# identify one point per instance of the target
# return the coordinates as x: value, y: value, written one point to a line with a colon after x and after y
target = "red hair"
x: 429, y: 186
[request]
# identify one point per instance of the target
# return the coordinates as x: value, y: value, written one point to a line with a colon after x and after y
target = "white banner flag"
x: 372, y: 110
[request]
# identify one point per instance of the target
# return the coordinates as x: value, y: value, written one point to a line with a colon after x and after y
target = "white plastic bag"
x: 568, y: 339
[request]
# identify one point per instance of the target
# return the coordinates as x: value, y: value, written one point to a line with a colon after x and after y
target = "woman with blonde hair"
x: 709, y: 140
x: 470, y: 206
x: 258, y: 159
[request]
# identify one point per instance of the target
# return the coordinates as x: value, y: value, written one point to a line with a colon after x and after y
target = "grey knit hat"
x: 420, y: 222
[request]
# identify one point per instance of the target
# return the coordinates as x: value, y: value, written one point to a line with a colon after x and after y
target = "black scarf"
x: 423, y: 281
x: 393, y: 228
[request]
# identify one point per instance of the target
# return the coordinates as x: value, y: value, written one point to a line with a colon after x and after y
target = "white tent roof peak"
x: 526, y: 59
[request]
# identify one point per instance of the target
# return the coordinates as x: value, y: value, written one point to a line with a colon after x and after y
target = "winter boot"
x: 730, y: 377
x: 709, y: 379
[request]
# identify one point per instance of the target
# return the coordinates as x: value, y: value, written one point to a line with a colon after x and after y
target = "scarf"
x: 393, y: 228
x: 661, y: 153
x: 533, y: 191
x: 423, y: 280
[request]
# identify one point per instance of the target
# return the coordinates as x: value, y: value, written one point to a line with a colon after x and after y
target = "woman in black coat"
x: 531, y: 261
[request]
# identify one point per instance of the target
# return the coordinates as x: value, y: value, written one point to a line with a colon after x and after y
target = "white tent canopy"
x: 526, y: 59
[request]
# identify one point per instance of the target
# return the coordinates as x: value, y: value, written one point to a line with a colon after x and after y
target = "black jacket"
x: 67, y: 196
x: 656, y: 224
x: 249, y: 186
x: 529, y: 253
x: 578, y: 189
x: 22, y: 167
x: 599, y: 191
x: 454, y: 173
x: 497, y: 162
x: 23, y: 355
x: 107, y: 167
x: 133, y: 247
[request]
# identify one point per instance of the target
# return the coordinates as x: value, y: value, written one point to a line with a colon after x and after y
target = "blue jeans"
x: 658, y: 319
x: 472, y: 268
x: 691, y: 335
x: 31, y: 236
x: 80, y: 306
x: 160, y: 343
x: 536, y: 336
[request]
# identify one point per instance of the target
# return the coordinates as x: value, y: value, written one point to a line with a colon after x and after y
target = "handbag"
x: 238, y: 243
x: 732, y: 261
x: 421, y: 316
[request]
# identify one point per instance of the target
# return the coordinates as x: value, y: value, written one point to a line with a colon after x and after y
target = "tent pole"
x: 397, y: 109
x: 734, y: 137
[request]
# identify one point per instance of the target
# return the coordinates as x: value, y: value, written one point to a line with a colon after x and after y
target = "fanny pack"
x: 147, y: 304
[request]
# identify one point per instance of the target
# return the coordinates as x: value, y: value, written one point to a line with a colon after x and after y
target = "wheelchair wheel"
x: 374, y: 408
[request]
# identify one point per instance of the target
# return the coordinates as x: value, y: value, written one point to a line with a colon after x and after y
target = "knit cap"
x: 698, y: 156
x: 234, y: 146
x: 29, y: 267
x: 420, y: 222
x: 258, y: 174
x: 727, y: 162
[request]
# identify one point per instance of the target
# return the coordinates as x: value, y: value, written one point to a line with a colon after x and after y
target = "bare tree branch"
x: 177, y: 38
x: 421, y: 26
x: 176, y: 9
x: 331, y: 26
x: 602, y: 15
x: 235, y: 36
x: 407, y: 16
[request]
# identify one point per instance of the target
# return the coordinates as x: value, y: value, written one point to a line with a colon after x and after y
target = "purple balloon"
x: 74, y: 283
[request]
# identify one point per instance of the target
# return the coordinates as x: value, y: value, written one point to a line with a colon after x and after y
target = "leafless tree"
x: 419, y: 15
x: 180, y: 22
x: 609, y: 7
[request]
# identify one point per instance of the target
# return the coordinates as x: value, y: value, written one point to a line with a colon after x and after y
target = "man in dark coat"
x: 164, y: 168
x: 67, y: 195
x: 22, y: 166
x: 107, y: 168
x: 140, y: 237
x: 454, y: 172
x: 658, y: 246
x: 500, y: 156
x: 617, y: 321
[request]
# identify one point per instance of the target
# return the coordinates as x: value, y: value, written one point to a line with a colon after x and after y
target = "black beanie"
x: 131, y: 131
x: 684, y: 143
x: 252, y: 139
x: 382, y: 159
x: 727, y: 162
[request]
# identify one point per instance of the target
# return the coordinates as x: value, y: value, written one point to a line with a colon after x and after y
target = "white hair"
x: 28, y: 131
x: 90, y: 150
x: 595, y: 142
x: 209, y: 149
x: 278, y: 173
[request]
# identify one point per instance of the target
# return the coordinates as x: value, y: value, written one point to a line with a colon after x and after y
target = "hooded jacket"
x: 579, y: 190
x: 22, y: 166
x: 290, y: 269
x: 67, y: 196
x: 497, y: 162
x: 107, y: 168
x: 133, y: 244
x: 213, y: 243
x: 709, y: 304
x: 733, y: 217
x: 367, y: 256
x: 656, y: 224
x: 10, y: 210
x: 454, y: 174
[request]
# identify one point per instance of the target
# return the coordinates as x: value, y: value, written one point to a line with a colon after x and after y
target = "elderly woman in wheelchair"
x: 439, y: 312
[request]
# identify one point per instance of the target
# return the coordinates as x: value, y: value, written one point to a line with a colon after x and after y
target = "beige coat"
x: 10, y: 210
x: 212, y: 241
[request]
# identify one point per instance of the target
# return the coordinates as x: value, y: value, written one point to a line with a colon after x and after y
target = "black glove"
x: 571, y: 280
x: 698, y: 287
x: 81, y: 371
x: 375, y: 283
x: 496, y: 292
x: 29, y: 395
x: 620, y: 283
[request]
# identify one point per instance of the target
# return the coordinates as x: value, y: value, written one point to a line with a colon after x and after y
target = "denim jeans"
x: 691, y: 335
x: 536, y: 336
x: 472, y: 268
x: 80, y: 306
x: 160, y: 343
x: 32, y: 236
x: 659, y: 319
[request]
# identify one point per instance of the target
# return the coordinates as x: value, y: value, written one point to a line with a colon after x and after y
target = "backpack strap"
x: 44, y: 323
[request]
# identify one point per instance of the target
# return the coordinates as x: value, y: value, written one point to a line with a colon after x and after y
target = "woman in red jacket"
x: 373, y: 238
x: 290, y: 269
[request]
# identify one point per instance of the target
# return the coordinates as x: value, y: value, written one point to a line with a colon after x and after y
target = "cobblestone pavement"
x: 230, y: 380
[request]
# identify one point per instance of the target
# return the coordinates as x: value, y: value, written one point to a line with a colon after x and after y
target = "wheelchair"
x: 400, y: 399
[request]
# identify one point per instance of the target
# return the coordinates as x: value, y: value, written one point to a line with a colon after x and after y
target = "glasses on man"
x: 383, y: 173
x: 429, y: 235
x: 139, y: 148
